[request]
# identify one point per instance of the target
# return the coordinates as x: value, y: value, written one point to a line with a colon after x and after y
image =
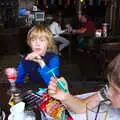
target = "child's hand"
x: 32, y: 56
x: 39, y: 61
x: 36, y: 58
x: 55, y: 91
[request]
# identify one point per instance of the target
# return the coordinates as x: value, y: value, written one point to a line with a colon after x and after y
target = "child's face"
x: 39, y: 45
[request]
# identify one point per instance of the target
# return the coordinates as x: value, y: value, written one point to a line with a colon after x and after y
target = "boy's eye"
x: 42, y: 40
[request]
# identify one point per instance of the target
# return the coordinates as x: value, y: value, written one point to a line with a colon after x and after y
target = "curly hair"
x: 39, y: 31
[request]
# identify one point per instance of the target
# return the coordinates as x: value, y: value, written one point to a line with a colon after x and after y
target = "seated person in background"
x: 56, y: 30
x: 88, y: 27
x: 86, y: 32
x: 43, y: 57
x: 78, y: 105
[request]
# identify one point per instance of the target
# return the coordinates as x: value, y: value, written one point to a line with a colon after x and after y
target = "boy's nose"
x: 37, y: 41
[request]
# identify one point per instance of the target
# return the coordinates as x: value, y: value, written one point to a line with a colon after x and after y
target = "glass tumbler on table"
x: 11, y: 74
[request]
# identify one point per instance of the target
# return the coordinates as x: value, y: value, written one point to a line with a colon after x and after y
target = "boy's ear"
x: 28, y: 42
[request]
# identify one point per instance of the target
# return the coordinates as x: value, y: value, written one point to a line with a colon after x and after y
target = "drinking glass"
x: 11, y: 75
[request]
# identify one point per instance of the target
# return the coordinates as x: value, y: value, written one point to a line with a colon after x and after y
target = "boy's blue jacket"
x: 35, y: 73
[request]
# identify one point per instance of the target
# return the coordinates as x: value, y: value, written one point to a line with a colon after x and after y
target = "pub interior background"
x: 80, y: 67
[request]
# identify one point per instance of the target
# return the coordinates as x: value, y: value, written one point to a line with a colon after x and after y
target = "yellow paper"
x: 11, y: 101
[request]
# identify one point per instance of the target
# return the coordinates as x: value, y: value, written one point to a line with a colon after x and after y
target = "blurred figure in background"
x: 56, y: 30
x: 85, y: 32
x: 87, y: 26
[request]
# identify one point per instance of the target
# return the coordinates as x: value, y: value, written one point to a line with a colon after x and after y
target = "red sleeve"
x: 90, y: 26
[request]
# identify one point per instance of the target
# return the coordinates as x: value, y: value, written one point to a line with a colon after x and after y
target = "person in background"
x: 43, y: 57
x: 87, y: 26
x: 84, y: 33
x: 56, y: 30
x: 78, y: 105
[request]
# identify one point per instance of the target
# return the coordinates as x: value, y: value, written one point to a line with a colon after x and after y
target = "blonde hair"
x: 39, y: 31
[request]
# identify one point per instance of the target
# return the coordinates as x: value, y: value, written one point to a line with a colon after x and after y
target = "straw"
x: 60, y: 84
x: 52, y: 72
